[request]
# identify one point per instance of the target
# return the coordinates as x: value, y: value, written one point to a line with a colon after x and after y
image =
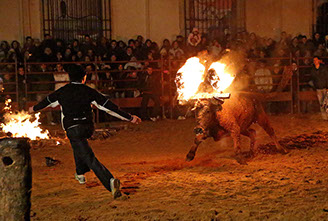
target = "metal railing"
x: 288, y: 91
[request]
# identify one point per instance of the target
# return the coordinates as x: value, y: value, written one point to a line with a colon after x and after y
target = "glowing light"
x: 194, y: 81
x: 221, y: 80
x: 190, y: 76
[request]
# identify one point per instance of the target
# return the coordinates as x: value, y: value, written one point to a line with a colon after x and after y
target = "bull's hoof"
x: 190, y: 157
x: 241, y: 159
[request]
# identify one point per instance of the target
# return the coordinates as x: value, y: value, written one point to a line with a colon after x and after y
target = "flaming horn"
x: 195, y: 82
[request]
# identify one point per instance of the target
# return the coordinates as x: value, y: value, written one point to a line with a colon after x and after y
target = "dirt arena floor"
x: 158, y: 184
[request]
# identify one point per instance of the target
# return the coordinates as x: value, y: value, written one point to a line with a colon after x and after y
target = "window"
x: 215, y: 17
x: 321, y: 25
x: 69, y: 19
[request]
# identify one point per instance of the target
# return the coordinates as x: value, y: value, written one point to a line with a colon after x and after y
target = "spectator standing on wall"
x: 319, y: 77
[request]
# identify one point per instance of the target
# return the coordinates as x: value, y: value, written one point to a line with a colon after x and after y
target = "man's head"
x: 149, y: 70
x: 21, y: 70
x: 76, y: 73
x: 59, y: 67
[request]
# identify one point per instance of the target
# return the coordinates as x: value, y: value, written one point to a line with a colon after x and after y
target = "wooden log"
x: 15, y: 179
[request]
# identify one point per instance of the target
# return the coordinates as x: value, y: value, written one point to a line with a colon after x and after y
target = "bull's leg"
x: 251, y: 133
x: 235, y: 134
x: 263, y: 121
x: 192, y: 151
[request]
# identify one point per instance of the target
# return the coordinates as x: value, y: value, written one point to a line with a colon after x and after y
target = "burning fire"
x: 22, y: 124
x: 194, y: 81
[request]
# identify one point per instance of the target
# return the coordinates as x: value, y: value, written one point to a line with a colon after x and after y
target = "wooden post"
x: 15, y: 179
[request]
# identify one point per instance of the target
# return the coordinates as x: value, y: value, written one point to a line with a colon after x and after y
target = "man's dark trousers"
x: 144, y: 103
x: 84, y: 157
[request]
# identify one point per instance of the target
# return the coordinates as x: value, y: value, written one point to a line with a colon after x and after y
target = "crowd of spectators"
x: 138, y: 59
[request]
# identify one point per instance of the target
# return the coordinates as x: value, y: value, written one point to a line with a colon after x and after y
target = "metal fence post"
x: 16, y: 80
x: 25, y: 77
x: 162, y: 86
x: 291, y: 87
x: 298, y: 86
x: 170, y: 89
x: 97, y: 87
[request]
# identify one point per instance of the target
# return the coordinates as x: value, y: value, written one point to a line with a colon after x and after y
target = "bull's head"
x: 206, y: 110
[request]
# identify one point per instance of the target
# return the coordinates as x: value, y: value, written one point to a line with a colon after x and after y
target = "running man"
x: 75, y: 100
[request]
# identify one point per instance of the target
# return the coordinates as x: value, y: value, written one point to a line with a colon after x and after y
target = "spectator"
x: 175, y: 48
x: 203, y: 45
x: 4, y: 49
x: 155, y: 50
x: 17, y: 49
x: 128, y: 54
x: 319, y: 77
x: 36, y: 50
x: 133, y: 63
x: 317, y: 40
x: 150, y: 90
x: 59, y: 57
x: 215, y: 49
x: 48, y: 55
x: 60, y: 76
x: 75, y: 47
x: 88, y: 44
x: 165, y: 47
x: 28, y: 43
x: 320, y: 51
x: 102, y: 47
x: 48, y: 42
x: 140, y: 39
x: 132, y: 83
x: 9, y: 87
x: 263, y: 79
x: 146, y: 48
x: 194, y: 38
x: 68, y: 55
x: 60, y: 46
x: 79, y: 56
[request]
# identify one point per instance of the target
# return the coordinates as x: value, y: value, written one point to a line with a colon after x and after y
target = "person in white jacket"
x: 194, y: 38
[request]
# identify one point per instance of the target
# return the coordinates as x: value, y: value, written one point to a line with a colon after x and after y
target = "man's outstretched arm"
x: 50, y: 101
x: 103, y: 103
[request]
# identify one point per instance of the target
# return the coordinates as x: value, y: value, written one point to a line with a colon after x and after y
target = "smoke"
x: 235, y: 63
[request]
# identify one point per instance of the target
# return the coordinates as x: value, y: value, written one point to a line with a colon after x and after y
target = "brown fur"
x: 233, y: 117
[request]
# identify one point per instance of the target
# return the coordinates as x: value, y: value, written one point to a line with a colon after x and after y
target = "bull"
x: 234, y: 116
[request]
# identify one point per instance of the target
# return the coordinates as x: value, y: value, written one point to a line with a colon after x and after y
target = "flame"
x: 194, y: 81
x: 7, y: 107
x: 22, y: 124
x: 191, y: 75
x: 221, y: 80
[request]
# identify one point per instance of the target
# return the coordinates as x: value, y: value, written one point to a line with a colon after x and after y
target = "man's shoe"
x: 115, y: 187
x: 154, y: 119
x: 80, y: 178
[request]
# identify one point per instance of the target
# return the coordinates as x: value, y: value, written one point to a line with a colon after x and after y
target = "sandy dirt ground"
x: 158, y: 184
